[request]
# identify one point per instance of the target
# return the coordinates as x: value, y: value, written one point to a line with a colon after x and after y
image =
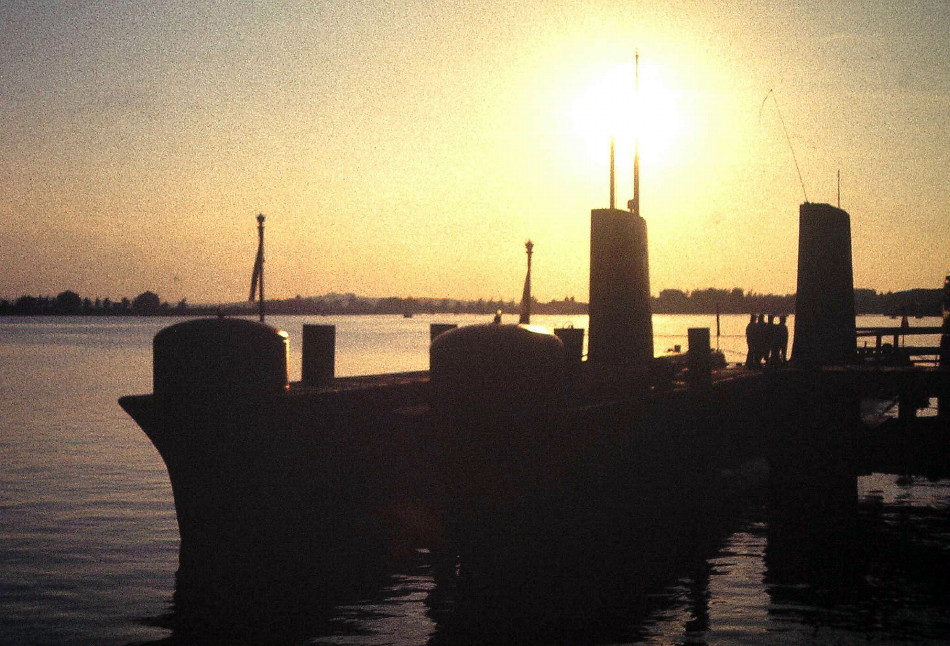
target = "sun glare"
x: 609, y: 107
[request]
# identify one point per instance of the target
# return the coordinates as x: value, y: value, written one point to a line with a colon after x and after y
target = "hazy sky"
x: 410, y: 148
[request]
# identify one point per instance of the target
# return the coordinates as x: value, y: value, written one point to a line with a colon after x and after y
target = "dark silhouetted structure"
x: 257, y: 277
x: 824, y: 307
x: 525, y: 317
x: 750, y: 342
x: 621, y: 330
x: 319, y: 354
x: 621, y: 326
x: 781, y: 342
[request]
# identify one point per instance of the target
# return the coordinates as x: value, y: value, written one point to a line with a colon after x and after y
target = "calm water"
x: 89, y: 538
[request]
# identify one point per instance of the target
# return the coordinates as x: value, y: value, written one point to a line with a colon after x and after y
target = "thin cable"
x: 787, y: 137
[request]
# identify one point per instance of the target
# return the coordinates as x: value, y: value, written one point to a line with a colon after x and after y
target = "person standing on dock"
x: 781, y: 343
x: 905, y: 324
x: 760, y: 338
x: 772, y: 350
x: 750, y: 342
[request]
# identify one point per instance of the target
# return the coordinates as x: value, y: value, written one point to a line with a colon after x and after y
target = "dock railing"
x: 891, y: 344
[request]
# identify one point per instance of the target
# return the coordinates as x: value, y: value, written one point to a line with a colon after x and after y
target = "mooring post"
x: 319, y: 355
x: 698, y: 359
x: 573, y: 340
x: 906, y: 409
x: 943, y: 393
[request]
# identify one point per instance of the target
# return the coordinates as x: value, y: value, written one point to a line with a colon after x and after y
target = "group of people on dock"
x: 767, y: 341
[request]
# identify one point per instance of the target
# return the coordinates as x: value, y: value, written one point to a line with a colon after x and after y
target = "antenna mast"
x: 613, y: 180
x: 634, y: 204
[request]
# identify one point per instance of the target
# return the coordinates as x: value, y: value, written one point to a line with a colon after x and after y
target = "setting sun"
x: 609, y: 107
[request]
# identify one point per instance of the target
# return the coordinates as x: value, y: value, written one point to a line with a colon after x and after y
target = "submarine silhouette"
x: 519, y: 467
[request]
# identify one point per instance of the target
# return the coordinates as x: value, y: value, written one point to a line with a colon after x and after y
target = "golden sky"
x: 409, y: 148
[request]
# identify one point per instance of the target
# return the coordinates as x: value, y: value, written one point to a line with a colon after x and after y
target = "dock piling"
x: 698, y: 360
x: 319, y: 355
x: 943, y: 397
x: 573, y: 340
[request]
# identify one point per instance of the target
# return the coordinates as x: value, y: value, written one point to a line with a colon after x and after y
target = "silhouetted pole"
x: 260, y: 242
x: 257, y: 278
x: 613, y: 181
x: 634, y: 204
x: 717, y: 326
x: 697, y: 358
x: 525, y: 317
x: 943, y: 398
x: 319, y: 355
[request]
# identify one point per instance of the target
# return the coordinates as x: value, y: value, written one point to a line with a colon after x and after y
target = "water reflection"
x: 573, y: 600
x: 884, y: 583
x: 879, y: 576
x: 91, y: 535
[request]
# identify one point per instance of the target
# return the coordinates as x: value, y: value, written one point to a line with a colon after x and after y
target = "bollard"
x: 698, y: 359
x: 319, y: 355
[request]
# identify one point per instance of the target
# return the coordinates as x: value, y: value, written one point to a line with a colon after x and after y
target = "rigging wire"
x: 787, y: 137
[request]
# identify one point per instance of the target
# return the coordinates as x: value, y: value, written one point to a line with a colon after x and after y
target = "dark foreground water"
x: 88, y: 537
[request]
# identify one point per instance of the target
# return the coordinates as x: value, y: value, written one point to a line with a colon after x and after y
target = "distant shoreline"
x: 913, y: 303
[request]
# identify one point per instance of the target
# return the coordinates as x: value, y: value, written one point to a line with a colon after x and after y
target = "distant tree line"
x: 70, y: 303
x: 353, y: 304
x: 728, y: 301
x: 915, y: 302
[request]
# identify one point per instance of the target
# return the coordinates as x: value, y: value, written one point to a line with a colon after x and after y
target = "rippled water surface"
x: 89, y: 537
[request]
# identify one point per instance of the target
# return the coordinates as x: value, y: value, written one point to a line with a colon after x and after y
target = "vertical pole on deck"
x: 717, y: 326
x: 257, y: 278
x: 260, y: 238
x: 319, y: 355
x: 697, y: 358
x: 943, y: 396
x: 525, y: 317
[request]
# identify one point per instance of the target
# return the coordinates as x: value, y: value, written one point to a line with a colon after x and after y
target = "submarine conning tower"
x: 824, y: 303
x: 621, y: 329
